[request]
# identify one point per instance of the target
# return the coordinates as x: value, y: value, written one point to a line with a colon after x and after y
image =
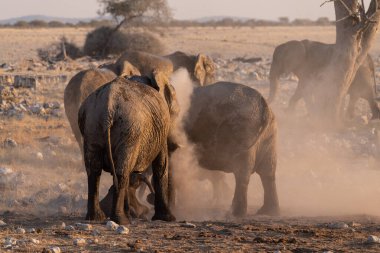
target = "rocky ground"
x: 325, y: 177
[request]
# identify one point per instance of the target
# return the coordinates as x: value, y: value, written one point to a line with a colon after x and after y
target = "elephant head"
x: 204, y: 69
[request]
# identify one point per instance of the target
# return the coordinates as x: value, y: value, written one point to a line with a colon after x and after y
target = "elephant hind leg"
x: 266, y: 170
x: 161, y: 187
x: 239, y: 202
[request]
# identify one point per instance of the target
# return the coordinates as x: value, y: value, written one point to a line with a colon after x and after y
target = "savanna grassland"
x: 328, y: 180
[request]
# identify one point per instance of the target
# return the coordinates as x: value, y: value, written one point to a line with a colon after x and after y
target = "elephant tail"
x: 109, y: 150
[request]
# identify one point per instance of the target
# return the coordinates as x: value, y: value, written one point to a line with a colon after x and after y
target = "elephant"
x: 235, y: 131
x: 81, y: 86
x: 125, y: 126
x: 201, y: 67
x: 137, y: 210
x: 304, y: 58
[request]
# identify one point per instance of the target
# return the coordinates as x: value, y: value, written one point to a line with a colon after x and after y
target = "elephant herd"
x: 124, y: 115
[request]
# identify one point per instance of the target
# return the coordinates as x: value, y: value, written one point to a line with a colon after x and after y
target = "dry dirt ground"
x: 328, y: 180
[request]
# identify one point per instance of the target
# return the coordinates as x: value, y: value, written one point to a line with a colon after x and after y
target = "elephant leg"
x: 351, y: 105
x: 161, y: 185
x: 94, y: 212
x: 239, y: 202
x: 271, y: 205
x: 120, y: 205
x: 171, y: 188
x: 296, y: 96
x: 266, y: 170
x: 106, y: 202
x: 137, y: 209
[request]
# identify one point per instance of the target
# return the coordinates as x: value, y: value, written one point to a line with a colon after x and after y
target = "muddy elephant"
x: 125, y: 127
x: 304, y: 58
x: 81, y: 86
x: 201, y: 67
x: 235, y: 132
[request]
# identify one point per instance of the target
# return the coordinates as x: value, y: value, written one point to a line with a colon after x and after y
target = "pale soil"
x: 323, y: 176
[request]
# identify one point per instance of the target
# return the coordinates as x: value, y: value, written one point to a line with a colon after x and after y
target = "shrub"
x: 55, y: 51
x: 104, y: 41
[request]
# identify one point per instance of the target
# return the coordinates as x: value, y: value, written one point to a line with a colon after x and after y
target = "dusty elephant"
x: 137, y: 210
x: 304, y: 58
x: 81, y: 86
x: 125, y: 127
x: 201, y: 67
x: 235, y: 131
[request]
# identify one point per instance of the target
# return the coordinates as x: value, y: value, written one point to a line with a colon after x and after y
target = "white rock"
x: 112, y: 225
x: 122, y: 230
x: 10, y: 241
x: 2, y: 223
x: 54, y: 249
x: 5, y: 171
x: 20, y: 231
x: 39, y: 155
x: 63, y: 225
x: 79, y: 241
x: 34, y: 241
x: 373, y: 239
x: 338, y: 225
x: 188, y: 225
x: 84, y: 227
x: 31, y: 230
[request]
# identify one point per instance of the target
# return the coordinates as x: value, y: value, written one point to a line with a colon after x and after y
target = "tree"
x: 355, y: 33
x: 124, y: 11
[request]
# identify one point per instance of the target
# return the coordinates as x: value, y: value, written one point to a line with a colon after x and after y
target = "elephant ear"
x: 127, y: 69
x: 167, y: 91
x: 204, y: 69
x: 199, y: 69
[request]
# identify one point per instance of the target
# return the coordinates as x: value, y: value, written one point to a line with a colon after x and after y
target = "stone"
x: 373, y: 239
x: 338, y: 225
x: 31, y: 230
x: 53, y: 249
x: 2, y: 223
x: 20, y: 231
x: 188, y: 225
x: 112, y: 225
x: 39, y: 155
x: 10, y: 143
x: 69, y: 228
x: 79, y: 241
x: 83, y: 227
x: 34, y: 241
x: 122, y: 230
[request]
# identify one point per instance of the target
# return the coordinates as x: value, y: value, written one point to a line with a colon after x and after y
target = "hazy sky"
x: 183, y: 9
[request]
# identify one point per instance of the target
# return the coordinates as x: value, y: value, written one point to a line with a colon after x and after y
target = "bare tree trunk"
x: 354, y: 36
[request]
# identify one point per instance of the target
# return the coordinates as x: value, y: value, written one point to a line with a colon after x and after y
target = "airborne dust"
x: 319, y: 172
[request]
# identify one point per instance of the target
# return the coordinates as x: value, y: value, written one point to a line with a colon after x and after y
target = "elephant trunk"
x: 109, y: 150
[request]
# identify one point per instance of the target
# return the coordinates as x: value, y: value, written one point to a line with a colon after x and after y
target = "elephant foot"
x: 121, y: 219
x: 164, y: 217
x: 239, y: 213
x: 97, y: 215
x: 269, y: 210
